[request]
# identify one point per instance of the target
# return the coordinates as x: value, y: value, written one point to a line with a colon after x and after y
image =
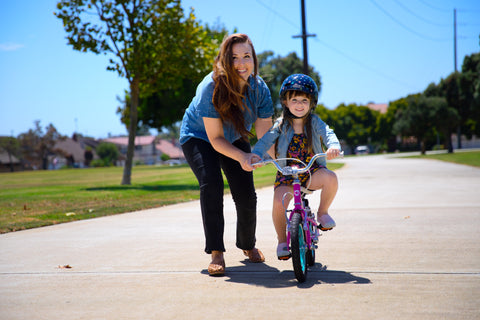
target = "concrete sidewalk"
x: 406, y: 246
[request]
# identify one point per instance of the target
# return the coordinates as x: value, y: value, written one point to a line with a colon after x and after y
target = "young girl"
x: 300, y: 134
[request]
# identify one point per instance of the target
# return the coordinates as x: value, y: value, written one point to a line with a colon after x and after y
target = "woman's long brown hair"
x: 228, y: 95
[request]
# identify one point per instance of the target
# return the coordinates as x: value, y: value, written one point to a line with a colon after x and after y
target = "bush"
x: 108, y: 153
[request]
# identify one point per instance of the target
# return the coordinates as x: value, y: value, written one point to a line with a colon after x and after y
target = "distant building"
x: 71, y: 152
x: 7, y: 163
x: 381, y: 107
x: 148, y: 149
x: 170, y: 149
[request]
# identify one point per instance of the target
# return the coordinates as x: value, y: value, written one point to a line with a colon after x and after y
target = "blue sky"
x: 365, y: 51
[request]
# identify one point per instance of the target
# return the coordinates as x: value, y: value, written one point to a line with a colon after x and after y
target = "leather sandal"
x: 215, y: 269
x: 254, y: 255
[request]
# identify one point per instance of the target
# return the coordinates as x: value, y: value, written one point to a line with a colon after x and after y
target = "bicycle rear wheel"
x: 299, y: 247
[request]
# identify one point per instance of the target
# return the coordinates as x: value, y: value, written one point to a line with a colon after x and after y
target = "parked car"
x: 361, y: 150
x: 174, y: 162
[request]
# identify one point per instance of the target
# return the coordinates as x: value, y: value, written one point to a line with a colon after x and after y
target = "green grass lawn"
x: 33, y: 199
x: 470, y: 158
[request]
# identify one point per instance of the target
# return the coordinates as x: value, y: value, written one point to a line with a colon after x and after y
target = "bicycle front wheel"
x: 299, y: 247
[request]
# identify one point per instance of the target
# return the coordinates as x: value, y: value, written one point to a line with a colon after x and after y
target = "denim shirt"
x: 258, y: 102
x: 284, y: 135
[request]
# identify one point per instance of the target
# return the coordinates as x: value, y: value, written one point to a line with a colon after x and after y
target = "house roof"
x: 4, y: 159
x: 139, y: 141
x: 381, y: 107
x: 69, y: 146
x: 169, y: 149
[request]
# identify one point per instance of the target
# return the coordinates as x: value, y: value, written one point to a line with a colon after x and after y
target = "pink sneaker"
x: 325, y: 222
x: 282, y: 251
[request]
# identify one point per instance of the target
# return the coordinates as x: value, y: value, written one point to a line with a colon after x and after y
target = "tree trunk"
x: 459, y: 137
x: 132, y: 129
x: 44, y: 163
x: 448, y: 142
x: 423, y: 146
x: 11, y: 163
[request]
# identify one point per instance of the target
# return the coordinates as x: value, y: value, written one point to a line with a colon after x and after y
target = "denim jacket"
x: 279, y: 131
x: 258, y: 105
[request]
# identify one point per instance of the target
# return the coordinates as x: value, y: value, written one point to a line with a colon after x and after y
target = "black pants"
x: 207, y: 165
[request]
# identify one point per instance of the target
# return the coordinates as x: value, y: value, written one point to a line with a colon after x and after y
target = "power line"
x: 363, y: 65
x: 435, y: 8
x: 405, y: 27
x: 355, y: 61
x: 420, y: 17
x: 278, y: 14
x: 440, y: 24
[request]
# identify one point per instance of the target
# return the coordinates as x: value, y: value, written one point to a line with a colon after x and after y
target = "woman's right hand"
x: 247, y: 160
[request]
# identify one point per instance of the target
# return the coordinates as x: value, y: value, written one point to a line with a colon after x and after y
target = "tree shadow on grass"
x: 261, y: 274
x: 172, y: 187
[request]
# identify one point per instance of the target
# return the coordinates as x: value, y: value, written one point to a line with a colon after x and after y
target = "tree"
x: 163, y: 107
x: 150, y: 42
x: 462, y: 92
x: 445, y: 119
x: 382, y: 134
x: 352, y: 123
x: 108, y: 152
x: 88, y: 156
x: 417, y: 119
x: 11, y: 146
x: 36, y: 145
x: 469, y: 83
x: 451, y: 91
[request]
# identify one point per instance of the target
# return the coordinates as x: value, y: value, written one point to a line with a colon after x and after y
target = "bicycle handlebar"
x: 288, y: 170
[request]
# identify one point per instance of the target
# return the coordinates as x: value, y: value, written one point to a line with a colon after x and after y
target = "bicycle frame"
x: 298, y: 198
x: 307, y: 220
x: 305, y: 230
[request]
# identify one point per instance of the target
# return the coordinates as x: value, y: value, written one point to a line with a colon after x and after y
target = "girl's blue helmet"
x: 300, y: 82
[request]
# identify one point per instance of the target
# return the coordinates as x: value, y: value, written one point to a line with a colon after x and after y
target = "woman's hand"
x: 247, y: 160
x: 214, y: 129
x: 332, y: 153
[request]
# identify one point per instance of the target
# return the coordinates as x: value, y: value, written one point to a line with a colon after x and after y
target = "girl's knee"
x: 324, y: 178
x: 333, y: 177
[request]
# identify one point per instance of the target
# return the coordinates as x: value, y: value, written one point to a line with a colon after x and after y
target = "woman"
x: 214, y: 137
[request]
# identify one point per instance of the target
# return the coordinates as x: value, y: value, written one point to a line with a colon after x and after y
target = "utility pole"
x: 459, y: 129
x: 304, y: 36
x: 455, y: 39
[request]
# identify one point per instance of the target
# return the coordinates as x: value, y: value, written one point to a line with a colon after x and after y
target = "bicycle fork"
x: 308, y: 219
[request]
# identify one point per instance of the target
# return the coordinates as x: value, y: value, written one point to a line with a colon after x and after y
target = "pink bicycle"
x: 302, y: 230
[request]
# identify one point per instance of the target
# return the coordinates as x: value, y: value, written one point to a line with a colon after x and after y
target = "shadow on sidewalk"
x: 264, y: 275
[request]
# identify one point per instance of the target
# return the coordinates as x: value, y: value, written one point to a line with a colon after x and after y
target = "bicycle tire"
x: 299, y: 248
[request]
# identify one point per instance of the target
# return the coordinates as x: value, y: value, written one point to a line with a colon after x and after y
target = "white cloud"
x: 10, y: 46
